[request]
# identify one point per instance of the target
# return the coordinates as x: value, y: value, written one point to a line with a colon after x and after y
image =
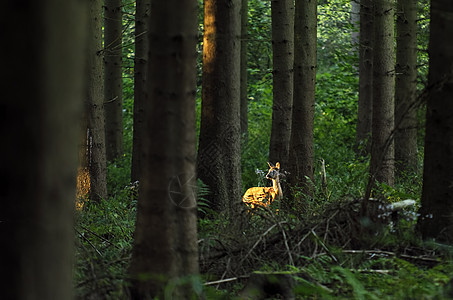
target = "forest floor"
x: 331, y: 253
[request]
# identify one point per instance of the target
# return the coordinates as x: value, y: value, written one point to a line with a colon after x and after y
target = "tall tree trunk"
x: 41, y: 102
x: 219, y: 148
x: 165, y: 245
x: 301, y: 148
x: 140, y: 77
x: 95, y: 103
x: 83, y: 171
x: 365, y: 105
x: 355, y: 21
x: 244, y: 42
x: 406, y: 87
x: 113, y: 79
x: 283, y: 79
x: 436, y: 220
x: 382, y: 151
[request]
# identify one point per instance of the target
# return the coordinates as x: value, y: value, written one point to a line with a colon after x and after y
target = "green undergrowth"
x: 378, y: 277
x: 104, y: 239
x: 104, y: 236
x: 398, y: 266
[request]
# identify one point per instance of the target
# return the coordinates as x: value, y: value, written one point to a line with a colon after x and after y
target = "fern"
x: 202, y: 192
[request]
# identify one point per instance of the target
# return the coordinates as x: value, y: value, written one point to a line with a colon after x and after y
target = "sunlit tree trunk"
x: 95, y: 103
x: 219, y: 147
x: 140, y: 71
x: 405, y: 87
x: 42, y: 94
x: 301, y: 153
x: 283, y: 79
x: 113, y: 79
x: 165, y: 241
x: 365, y: 108
x: 436, y: 213
x: 382, y: 150
x: 244, y: 42
x: 83, y: 170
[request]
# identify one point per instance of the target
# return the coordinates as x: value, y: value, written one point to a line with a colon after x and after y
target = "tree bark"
x: 165, y: 245
x: 301, y: 148
x: 83, y: 171
x: 355, y: 21
x: 244, y: 42
x: 41, y: 102
x: 219, y: 149
x: 113, y: 79
x: 283, y: 79
x: 95, y: 103
x: 406, y: 87
x: 365, y: 105
x: 382, y: 151
x: 140, y: 77
x: 436, y: 213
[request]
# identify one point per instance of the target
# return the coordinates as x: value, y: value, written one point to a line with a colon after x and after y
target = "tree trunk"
x: 95, y: 103
x: 244, y: 42
x: 283, y: 79
x: 301, y: 147
x: 382, y: 151
x: 40, y: 105
x: 355, y: 21
x: 365, y: 105
x: 406, y: 87
x: 436, y: 220
x: 113, y: 79
x: 165, y: 246
x: 140, y: 75
x: 219, y: 150
x: 83, y: 171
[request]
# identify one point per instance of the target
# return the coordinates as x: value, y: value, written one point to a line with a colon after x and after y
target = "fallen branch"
x: 226, y: 280
x: 385, y: 272
x: 89, y: 242
x: 380, y: 252
x: 370, y: 252
x: 258, y: 241
x: 96, y: 235
x: 323, y: 246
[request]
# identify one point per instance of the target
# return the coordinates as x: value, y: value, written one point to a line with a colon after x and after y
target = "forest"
x: 227, y: 149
